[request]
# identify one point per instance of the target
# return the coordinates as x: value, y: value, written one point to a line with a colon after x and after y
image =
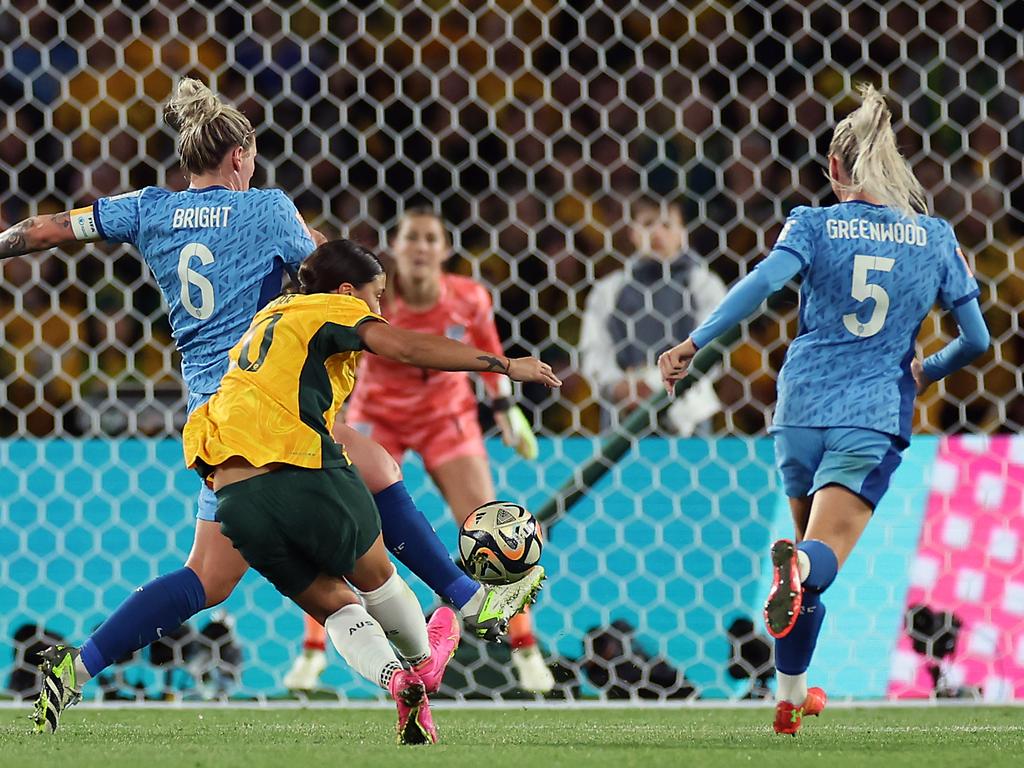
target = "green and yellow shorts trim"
x: 294, y: 524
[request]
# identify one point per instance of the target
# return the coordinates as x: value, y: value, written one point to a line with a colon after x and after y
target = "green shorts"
x: 295, y: 524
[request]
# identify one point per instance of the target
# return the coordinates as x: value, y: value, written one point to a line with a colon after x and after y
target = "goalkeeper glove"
x: 515, y: 428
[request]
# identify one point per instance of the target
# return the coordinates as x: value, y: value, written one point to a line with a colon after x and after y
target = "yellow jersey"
x: 289, y: 375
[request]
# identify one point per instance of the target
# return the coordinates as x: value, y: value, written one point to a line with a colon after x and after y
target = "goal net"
x: 532, y: 127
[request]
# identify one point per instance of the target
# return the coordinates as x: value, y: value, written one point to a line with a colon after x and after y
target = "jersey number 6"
x: 189, y: 277
x: 863, y: 290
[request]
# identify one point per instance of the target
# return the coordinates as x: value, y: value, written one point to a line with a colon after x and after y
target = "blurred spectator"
x: 663, y: 292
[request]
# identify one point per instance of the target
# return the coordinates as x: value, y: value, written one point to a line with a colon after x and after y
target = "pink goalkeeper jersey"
x: 387, y: 391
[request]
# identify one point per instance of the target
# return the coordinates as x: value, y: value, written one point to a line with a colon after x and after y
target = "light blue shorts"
x: 862, y: 460
x: 207, y: 505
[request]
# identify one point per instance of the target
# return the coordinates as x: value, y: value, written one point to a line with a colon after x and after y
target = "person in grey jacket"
x: 635, y: 313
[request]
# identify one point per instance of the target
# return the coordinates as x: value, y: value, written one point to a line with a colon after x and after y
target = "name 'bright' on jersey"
x: 870, y: 277
x: 218, y: 255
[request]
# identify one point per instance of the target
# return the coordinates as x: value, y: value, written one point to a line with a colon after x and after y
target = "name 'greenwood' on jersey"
x: 870, y: 277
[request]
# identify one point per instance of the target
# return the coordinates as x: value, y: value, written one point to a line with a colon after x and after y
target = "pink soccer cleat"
x: 415, y: 723
x: 782, y: 608
x: 443, y: 631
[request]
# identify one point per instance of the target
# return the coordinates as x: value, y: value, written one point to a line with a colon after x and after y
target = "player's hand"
x: 517, y: 432
x: 675, y: 363
x: 920, y: 377
x: 532, y: 369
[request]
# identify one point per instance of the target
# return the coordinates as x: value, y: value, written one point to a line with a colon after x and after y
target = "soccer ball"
x: 499, y: 542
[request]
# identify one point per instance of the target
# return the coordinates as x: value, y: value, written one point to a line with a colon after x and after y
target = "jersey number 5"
x: 189, y: 277
x: 863, y: 290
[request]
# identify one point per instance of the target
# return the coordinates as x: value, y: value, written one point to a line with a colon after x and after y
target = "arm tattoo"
x: 21, y: 239
x: 62, y: 220
x: 14, y: 241
x: 493, y: 363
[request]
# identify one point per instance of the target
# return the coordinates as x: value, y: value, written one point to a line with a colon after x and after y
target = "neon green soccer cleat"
x: 59, y: 688
x: 487, y: 614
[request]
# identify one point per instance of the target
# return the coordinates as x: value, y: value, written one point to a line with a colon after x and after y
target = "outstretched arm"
x: 425, y: 350
x: 37, y: 233
x: 744, y: 297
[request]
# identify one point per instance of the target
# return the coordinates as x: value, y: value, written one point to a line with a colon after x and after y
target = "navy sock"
x: 153, y: 610
x: 793, y: 652
x: 824, y: 565
x: 410, y: 538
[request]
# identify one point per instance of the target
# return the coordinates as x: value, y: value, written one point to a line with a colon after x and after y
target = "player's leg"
x: 210, y: 574
x: 456, y: 460
x: 304, y: 531
x: 410, y: 538
x: 407, y: 533
x: 837, y: 519
x: 387, y: 597
x: 798, y: 452
x: 362, y: 641
x: 853, y: 474
x: 389, y: 600
x: 212, y: 570
x: 800, y: 510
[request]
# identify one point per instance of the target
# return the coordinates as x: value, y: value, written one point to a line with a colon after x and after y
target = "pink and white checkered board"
x: 969, y: 562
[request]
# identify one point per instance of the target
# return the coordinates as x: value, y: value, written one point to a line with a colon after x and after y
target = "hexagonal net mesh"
x: 533, y: 127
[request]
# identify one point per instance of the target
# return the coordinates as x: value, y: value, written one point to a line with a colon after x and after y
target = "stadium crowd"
x: 532, y: 127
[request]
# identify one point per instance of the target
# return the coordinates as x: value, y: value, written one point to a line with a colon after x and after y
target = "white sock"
x: 474, y: 603
x: 792, y: 688
x: 803, y: 562
x: 395, y: 606
x: 362, y: 644
x: 82, y: 675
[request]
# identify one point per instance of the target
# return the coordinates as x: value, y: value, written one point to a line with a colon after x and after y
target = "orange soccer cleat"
x: 789, y: 717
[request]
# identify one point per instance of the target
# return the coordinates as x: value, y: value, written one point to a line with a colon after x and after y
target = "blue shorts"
x: 207, y: 506
x: 862, y: 460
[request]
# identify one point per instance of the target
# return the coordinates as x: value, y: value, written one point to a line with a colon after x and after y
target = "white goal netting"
x: 531, y: 126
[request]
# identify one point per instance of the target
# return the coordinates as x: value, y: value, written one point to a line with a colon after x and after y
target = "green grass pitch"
x: 518, y: 738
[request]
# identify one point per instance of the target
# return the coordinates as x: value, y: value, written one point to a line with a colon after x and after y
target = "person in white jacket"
x: 635, y: 313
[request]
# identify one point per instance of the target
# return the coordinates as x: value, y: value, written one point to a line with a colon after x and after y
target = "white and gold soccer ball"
x: 500, y: 542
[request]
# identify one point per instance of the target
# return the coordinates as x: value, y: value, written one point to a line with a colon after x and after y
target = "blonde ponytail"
x: 865, y: 143
x: 207, y: 127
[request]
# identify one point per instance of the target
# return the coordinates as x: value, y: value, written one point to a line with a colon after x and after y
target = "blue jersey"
x: 218, y: 257
x: 870, y: 277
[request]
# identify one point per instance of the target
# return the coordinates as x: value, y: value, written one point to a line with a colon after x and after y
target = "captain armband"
x: 83, y: 223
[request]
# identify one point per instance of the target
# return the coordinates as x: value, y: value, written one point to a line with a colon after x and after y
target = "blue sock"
x: 158, y: 608
x: 794, y: 651
x: 410, y: 538
x: 824, y: 565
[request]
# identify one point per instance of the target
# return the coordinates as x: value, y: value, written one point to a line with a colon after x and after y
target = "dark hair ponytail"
x: 336, y: 262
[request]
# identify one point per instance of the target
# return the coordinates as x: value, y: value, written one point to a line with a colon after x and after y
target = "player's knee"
x: 218, y: 582
x: 380, y: 472
x: 824, y: 565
